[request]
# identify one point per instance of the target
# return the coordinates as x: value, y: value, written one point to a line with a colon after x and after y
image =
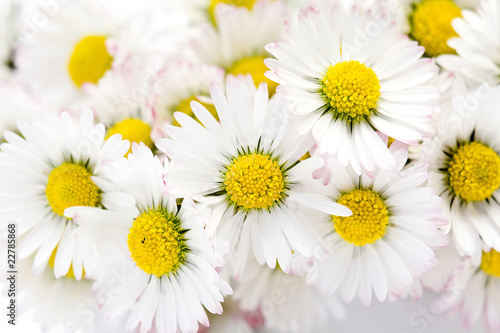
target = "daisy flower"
x: 179, y: 83
x: 62, y: 304
x: 430, y: 23
x: 286, y: 302
x: 477, y: 292
x: 70, y: 51
x: 46, y: 169
x: 246, y: 167
x: 388, y: 240
x: 237, y: 44
x: 465, y: 169
x: 478, y: 45
x: 346, y: 82
x: 162, y: 248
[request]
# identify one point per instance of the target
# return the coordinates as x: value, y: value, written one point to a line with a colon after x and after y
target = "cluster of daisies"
x: 249, y: 165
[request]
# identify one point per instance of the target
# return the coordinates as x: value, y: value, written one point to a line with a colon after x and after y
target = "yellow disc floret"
x: 70, y: 185
x: 185, y: 107
x: 369, y: 218
x: 133, y: 130
x: 89, y: 61
x: 431, y: 25
x: 474, y: 172
x: 70, y: 273
x: 238, y: 3
x: 256, y: 67
x: 254, y: 181
x: 156, y: 242
x: 351, y: 90
x: 490, y: 263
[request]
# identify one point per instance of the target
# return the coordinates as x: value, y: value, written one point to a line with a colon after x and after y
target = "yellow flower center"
x: 89, y: 61
x: 351, y: 90
x: 254, y: 181
x: 70, y: 185
x: 474, y: 172
x: 369, y: 218
x: 490, y: 263
x: 70, y: 273
x: 185, y: 107
x: 134, y: 130
x: 156, y: 242
x: 238, y: 3
x: 431, y: 25
x: 256, y: 67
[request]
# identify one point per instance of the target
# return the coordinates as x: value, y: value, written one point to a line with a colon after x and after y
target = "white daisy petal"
x: 319, y: 203
x: 311, y: 70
